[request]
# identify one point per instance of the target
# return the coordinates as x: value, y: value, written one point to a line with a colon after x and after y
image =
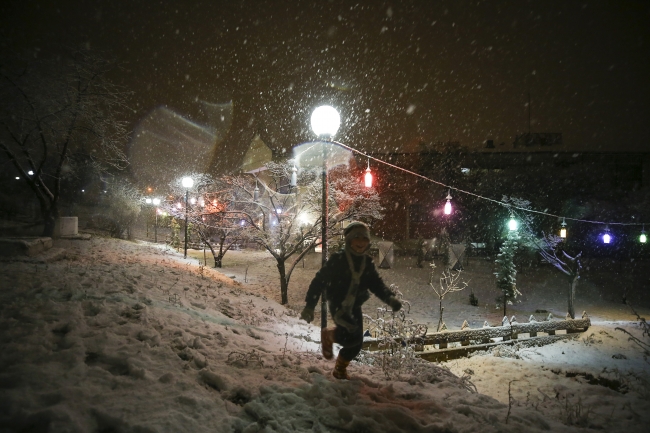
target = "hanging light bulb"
x: 513, y: 224
x: 448, y: 204
x: 294, y: 176
x: 563, y: 229
x: 643, y: 238
x: 607, y: 238
x: 367, y: 178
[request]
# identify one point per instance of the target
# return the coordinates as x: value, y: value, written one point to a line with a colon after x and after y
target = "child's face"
x: 359, y: 245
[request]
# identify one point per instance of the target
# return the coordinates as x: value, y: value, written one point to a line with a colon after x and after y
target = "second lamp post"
x: 187, y: 183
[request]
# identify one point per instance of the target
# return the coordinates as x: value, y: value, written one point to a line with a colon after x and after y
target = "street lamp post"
x: 325, y: 121
x: 156, y: 203
x: 187, y: 183
x: 148, y: 201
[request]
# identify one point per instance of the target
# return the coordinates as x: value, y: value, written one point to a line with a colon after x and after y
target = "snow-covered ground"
x: 130, y: 337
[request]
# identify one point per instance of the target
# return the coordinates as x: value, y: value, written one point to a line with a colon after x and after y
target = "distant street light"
x: 187, y: 183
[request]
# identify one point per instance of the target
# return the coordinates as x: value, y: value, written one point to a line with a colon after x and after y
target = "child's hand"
x: 307, y: 314
x: 394, y: 303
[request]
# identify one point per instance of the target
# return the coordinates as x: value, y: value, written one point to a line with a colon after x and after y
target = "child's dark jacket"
x: 336, y: 276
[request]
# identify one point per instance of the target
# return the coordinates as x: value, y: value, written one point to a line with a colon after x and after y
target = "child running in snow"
x: 346, y: 278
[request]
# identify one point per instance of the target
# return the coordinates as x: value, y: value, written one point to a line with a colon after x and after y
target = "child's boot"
x: 327, y: 340
x: 340, y: 369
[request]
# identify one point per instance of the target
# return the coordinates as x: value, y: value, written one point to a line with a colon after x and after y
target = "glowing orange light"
x: 368, y: 178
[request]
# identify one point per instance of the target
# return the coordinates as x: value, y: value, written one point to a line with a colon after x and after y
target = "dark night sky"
x: 398, y: 71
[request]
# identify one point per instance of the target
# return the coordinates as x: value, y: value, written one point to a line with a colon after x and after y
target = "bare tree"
x: 550, y: 248
x: 286, y: 220
x: 121, y: 205
x: 58, y: 117
x: 217, y: 224
x: 449, y: 283
x: 211, y: 213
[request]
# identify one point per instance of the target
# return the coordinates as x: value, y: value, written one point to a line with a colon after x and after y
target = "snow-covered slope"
x: 129, y: 337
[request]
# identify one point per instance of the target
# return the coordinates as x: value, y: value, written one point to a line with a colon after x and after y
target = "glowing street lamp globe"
x: 187, y: 182
x: 325, y: 121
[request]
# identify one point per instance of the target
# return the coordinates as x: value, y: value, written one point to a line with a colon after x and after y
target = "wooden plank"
x: 485, y: 335
x: 457, y: 352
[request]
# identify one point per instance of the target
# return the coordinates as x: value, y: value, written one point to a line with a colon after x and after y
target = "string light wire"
x: 500, y: 203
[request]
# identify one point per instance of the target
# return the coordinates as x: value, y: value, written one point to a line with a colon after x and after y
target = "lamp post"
x: 187, y: 183
x: 148, y: 201
x: 325, y: 121
x: 156, y: 203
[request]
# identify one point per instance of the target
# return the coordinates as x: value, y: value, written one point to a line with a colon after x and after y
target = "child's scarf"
x: 341, y: 316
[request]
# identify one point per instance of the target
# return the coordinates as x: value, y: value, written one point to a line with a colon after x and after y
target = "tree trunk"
x: 214, y: 255
x: 49, y: 217
x: 218, y: 258
x: 283, y: 283
x: 573, y: 284
x: 48, y: 228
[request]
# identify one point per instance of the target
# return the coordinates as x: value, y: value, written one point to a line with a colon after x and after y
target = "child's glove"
x: 307, y: 314
x: 394, y: 303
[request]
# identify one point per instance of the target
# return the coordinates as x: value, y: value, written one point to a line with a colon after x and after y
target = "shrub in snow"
x: 506, y: 271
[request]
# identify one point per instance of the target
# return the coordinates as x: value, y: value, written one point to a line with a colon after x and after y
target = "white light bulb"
x: 325, y: 120
x: 187, y: 182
